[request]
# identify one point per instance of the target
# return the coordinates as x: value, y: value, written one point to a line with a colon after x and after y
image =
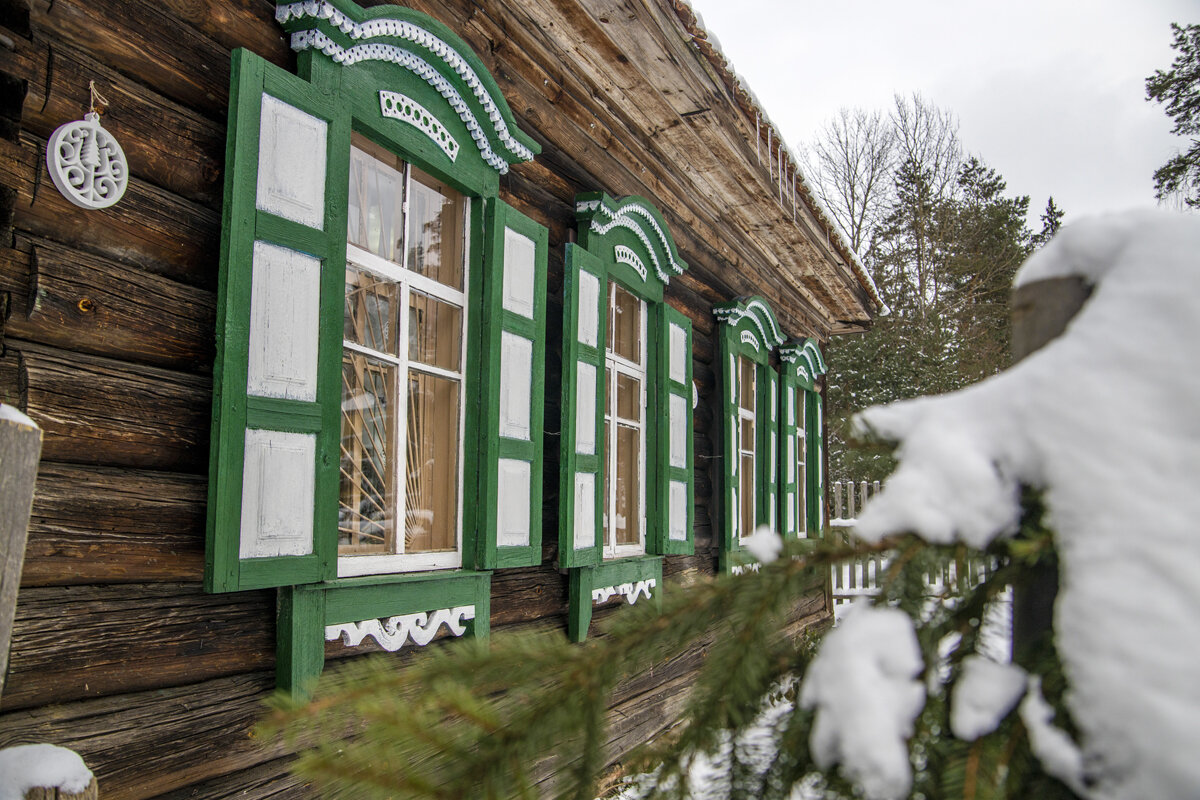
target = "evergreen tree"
x: 1179, y: 89
x: 488, y: 720
x: 1051, y: 222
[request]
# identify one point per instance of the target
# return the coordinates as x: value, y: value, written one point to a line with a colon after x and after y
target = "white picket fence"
x: 861, y: 577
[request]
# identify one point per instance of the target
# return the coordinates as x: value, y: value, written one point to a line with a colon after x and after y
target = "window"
x: 801, y: 366
x: 748, y: 336
x: 378, y: 392
x: 625, y: 492
x: 747, y: 437
x: 404, y: 351
x: 625, y: 425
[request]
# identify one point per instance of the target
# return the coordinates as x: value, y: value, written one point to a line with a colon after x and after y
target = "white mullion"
x: 400, y: 473
x: 440, y: 291
x: 610, y: 500
x: 440, y: 372
x: 370, y: 352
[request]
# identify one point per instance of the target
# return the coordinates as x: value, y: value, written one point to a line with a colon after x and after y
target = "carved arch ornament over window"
x: 771, y: 429
x: 626, y: 487
x: 302, y: 259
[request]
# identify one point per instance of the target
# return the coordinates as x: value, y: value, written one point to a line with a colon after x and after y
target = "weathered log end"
x: 92, y: 792
x: 20, y: 448
x: 1041, y: 311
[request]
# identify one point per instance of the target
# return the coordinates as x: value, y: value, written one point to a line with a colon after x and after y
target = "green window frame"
x: 412, y: 87
x: 624, y: 242
x: 801, y: 500
x: 748, y: 333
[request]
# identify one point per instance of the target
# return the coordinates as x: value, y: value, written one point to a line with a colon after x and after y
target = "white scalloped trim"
x: 392, y: 633
x: 742, y: 569
x: 733, y: 315
x: 408, y: 31
x: 404, y: 108
x: 624, y: 255
x: 630, y: 591
x: 623, y: 220
x: 750, y: 339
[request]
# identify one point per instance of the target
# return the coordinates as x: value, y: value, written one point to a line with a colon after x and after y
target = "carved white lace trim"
x: 750, y: 339
x: 404, y: 108
x: 630, y: 591
x: 759, y: 314
x: 622, y: 219
x: 807, y: 358
x: 742, y: 569
x: 624, y: 255
x: 392, y: 633
x: 412, y: 32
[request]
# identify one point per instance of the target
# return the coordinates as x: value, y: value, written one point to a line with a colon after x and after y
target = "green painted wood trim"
x: 233, y: 411
x: 747, y: 328
x: 577, y: 260
x: 583, y: 580
x: 299, y: 640
x: 275, y: 414
x: 473, y: 394
x: 500, y: 217
x: 789, y: 392
x: 632, y: 222
x: 373, y: 597
x: 667, y: 388
x: 389, y: 75
x: 816, y: 465
x: 292, y: 235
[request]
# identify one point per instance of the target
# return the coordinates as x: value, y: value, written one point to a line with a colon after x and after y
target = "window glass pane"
x: 746, y: 500
x: 747, y: 426
x: 435, y: 230
x: 626, y: 526
x: 625, y: 324
x: 629, y: 398
x: 434, y: 332
x: 375, y: 221
x: 431, y: 483
x: 371, y: 306
x: 365, y: 522
x: 745, y: 383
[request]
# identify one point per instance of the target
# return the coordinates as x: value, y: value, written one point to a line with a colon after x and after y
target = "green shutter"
x: 767, y: 457
x: 581, y: 481
x: 791, y: 415
x: 816, y: 464
x: 513, y: 404
x: 273, y: 478
x: 676, y: 449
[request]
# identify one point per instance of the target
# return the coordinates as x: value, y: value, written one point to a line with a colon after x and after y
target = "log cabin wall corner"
x: 113, y: 324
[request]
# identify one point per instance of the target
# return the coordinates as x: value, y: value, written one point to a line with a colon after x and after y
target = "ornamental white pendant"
x: 86, y: 163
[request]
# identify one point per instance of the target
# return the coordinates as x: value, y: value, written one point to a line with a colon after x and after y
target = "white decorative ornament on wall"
x: 392, y: 633
x: 404, y: 108
x: 630, y: 591
x: 87, y: 164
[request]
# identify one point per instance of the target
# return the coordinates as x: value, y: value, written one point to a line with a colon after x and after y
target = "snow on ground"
x: 1104, y: 420
x: 45, y: 766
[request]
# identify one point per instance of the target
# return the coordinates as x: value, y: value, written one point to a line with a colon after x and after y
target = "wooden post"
x: 20, y: 448
x: 1040, y: 312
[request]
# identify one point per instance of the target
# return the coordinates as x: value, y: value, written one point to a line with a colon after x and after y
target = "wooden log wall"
x: 106, y: 327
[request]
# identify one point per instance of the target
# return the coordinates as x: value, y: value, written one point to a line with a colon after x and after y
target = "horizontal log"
x: 90, y: 641
x: 90, y: 304
x: 167, y: 145
x: 143, y: 744
x: 151, y: 228
x: 97, y: 411
x: 142, y: 38
x: 103, y: 525
x: 270, y: 781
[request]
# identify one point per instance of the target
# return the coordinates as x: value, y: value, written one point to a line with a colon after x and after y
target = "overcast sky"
x: 1049, y: 93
